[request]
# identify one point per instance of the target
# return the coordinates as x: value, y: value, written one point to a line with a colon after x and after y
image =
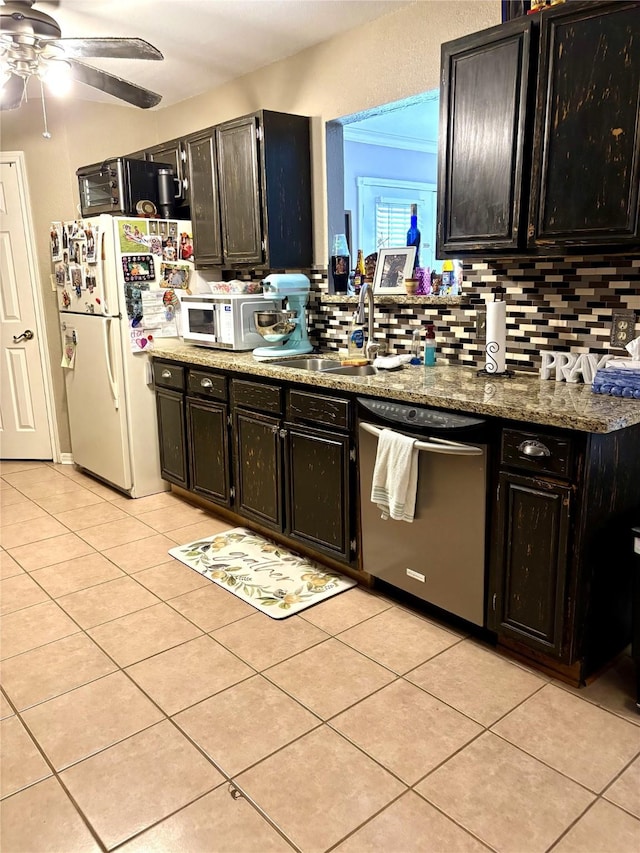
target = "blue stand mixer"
x: 287, y: 327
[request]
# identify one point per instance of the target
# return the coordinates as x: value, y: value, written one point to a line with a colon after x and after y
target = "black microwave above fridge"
x: 116, y: 186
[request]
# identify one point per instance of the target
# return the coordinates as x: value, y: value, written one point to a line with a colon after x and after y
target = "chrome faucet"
x: 371, y: 348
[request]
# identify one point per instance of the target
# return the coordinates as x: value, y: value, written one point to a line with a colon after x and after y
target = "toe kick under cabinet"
x: 559, y: 589
x: 281, y: 457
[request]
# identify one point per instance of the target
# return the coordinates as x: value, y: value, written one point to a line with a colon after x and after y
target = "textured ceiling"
x: 206, y: 42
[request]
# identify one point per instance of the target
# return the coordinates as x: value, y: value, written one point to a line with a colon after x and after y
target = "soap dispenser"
x: 355, y: 344
x: 430, y: 346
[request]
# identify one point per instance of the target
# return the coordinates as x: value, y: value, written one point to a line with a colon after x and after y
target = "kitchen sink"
x: 325, y: 365
x: 352, y: 370
x: 305, y: 363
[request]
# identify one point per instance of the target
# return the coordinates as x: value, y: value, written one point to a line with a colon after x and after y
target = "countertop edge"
x: 382, y: 387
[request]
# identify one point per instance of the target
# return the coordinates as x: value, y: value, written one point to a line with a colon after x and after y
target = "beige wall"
x: 397, y: 56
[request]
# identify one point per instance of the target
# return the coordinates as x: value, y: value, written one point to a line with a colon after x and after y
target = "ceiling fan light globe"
x: 57, y: 75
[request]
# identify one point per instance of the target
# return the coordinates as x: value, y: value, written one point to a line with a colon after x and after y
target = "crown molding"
x: 389, y: 140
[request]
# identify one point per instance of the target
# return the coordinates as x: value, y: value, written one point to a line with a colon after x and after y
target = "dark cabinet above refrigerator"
x: 247, y: 186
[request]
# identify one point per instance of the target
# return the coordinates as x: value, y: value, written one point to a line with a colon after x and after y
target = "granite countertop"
x: 525, y: 397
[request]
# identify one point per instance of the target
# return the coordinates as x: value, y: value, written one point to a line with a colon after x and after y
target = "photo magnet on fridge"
x: 56, y: 241
x: 138, y: 268
x: 92, y: 242
x: 133, y: 235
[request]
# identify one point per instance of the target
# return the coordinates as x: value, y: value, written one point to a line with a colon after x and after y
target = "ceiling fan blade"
x: 113, y: 85
x: 112, y: 48
x: 12, y: 93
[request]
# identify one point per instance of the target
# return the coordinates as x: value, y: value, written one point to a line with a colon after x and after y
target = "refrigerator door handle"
x: 107, y: 359
x: 103, y: 271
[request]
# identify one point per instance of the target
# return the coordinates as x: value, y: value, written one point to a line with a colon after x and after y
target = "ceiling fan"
x: 31, y: 44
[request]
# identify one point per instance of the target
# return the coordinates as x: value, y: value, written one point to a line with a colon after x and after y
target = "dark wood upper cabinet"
x: 205, y: 212
x: 482, y: 192
x: 264, y: 173
x: 586, y: 164
x: 540, y: 134
x: 240, y: 208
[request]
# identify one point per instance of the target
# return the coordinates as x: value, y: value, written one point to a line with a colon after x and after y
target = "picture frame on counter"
x: 392, y: 267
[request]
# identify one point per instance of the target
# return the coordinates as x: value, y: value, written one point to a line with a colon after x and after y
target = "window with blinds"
x: 392, y: 220
x: 384, y: 208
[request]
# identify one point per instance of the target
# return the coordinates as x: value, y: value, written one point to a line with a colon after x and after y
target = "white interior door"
x: 25, y: 430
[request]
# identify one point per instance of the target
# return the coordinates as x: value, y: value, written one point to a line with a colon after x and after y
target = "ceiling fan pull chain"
x: 46, y: 133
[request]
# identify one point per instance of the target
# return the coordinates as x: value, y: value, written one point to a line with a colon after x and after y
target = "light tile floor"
x: 146, y: 709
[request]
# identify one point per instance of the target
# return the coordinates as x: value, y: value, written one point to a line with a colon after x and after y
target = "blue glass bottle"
x: 413, y: 235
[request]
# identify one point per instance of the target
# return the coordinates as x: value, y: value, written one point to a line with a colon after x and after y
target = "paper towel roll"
x: 496, y: 332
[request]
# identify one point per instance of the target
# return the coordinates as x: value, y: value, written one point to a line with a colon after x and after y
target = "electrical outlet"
x: 623, y: 324
x: 481, y: 324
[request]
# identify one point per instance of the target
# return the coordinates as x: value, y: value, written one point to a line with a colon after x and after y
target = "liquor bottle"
x: 340, y: 263
x: 359, y: 272
x: 413, y: 235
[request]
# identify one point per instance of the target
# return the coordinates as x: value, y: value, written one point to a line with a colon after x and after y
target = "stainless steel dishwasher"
x: 440, y: 556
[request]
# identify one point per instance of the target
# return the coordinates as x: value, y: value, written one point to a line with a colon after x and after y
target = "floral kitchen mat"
x: 260, y: 572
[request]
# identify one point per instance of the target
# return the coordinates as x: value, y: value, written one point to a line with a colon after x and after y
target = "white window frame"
x: 367, y: 189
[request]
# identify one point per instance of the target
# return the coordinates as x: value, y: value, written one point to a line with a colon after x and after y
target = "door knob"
x: 27, y: 335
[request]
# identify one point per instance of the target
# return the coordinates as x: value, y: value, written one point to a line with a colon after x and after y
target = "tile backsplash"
x: 552, y: 304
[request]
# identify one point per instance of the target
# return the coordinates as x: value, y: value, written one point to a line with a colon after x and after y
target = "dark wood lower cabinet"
x: 318, y: 494
x: 258, y: 468
x: 531, y: 541
x: 172, y: 435
x: 208, y: 432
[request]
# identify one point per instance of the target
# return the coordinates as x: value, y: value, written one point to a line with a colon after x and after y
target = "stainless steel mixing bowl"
x: 274, y: 325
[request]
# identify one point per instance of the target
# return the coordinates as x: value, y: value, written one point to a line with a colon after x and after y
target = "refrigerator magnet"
x: 133, y: 234
x: 89, y: 281
x: 175, y: 276
x: 169, y: 248
x: 56, y: 241
x: 60, y: 273
x: 138, y: 268
x: 92, y: 241
x: 186, y: 246
x: 155, y: 246
x: 76, y: 279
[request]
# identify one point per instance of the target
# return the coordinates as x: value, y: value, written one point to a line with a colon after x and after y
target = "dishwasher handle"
x: 438, y: 445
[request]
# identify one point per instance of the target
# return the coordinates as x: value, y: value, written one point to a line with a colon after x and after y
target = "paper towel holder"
x: 498, y: 296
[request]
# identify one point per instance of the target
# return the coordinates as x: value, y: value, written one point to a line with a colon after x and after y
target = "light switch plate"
x: 623, y: 324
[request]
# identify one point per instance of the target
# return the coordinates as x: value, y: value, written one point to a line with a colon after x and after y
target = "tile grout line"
x: 326, y: 722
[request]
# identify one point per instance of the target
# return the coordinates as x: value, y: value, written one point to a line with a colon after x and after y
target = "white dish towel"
x: 395, y: 476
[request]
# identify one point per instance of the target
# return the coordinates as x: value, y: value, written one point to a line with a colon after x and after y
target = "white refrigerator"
x: 119, y: 281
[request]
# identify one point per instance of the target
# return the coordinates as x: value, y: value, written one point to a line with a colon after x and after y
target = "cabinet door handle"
x: 534, y: 448
x: 166, y: 374
x: 283, y: 433
x: 206, y: 383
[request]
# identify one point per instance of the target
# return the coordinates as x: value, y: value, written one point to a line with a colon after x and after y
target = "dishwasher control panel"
x: 418, y: 416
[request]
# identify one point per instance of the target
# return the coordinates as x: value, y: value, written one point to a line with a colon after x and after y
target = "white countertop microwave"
x: 223, y: 320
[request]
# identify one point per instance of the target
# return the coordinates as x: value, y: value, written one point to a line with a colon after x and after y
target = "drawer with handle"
x: 540, y: 452
x: 168, y: 375
x: 205, y: 384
